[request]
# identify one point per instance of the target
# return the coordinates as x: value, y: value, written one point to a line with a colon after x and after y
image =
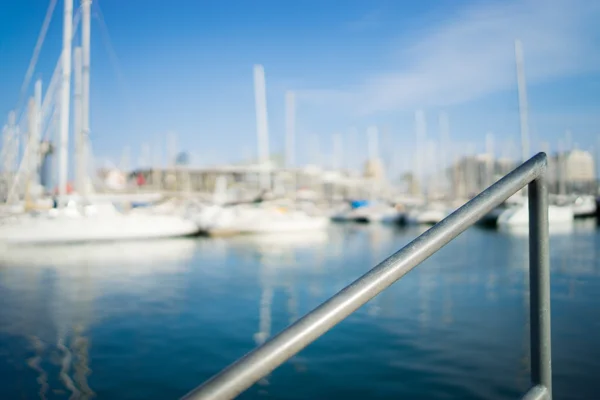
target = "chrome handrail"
x: 243, y: 373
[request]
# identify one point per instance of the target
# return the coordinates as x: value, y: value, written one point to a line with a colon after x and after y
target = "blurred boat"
x: 101, y: 222
x: 584, y: 207
x: 245, y: 218
x: 491, y: 218
x: 518, y: 216
x: 368, y: 212
x: 429, y: 214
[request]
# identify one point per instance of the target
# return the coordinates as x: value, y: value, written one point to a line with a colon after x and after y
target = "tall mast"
x: 33, y: 142
x: 491, y: 159
x: 29, y: 156
x: 523, y: 106
x: 262, y: 127
x: 560, y: 160
x: 38, y: 130
x: 421, y: 136
x: 9, y: 143
x: 85, y: 92
x: 79, y: 173
x: 290, y: 128
x: 63, y: 146
x: 373, y: 149
x: 445, y: 153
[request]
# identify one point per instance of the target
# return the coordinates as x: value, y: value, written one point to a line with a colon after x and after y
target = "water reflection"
x: 278, y: 258
x: 168, y: 314
x: 49, y: 294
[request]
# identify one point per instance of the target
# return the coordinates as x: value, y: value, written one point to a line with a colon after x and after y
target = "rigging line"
x: 114, y: 60
x: 130, y: 105
x: 108, y: 43
x: 36, y: 52
x: 21, y: 113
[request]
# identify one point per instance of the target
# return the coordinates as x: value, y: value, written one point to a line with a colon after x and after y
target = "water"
x: 153, y: 320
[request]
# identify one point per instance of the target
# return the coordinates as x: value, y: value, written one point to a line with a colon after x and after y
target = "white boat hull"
x: 369, y: 214
x: 584, y: 206
x: 70, y: 229
x: 427, y: 216
x: 559, y: 217
x: 243, y: 220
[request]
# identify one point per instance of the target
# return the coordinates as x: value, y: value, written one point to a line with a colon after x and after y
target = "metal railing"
x: 242, y: 374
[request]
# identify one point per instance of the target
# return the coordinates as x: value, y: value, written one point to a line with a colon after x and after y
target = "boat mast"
x: 523, y: 106
x: 560, y: 160
x: 290, y: 128
x: 373, y: 149
x: 491, y: 159
x: 63, y: 147
x: 37, y: 132
x: 421, y: 135
x: 77, y: 73
x: 445, y: 153
x: 290, y: 139
x: 85, y: 93
x: 262, y: 127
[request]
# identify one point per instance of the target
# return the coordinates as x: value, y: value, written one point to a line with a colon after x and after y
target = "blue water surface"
x: 151, y: 320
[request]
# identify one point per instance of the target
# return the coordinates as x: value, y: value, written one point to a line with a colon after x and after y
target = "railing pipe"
x: 537, y: 392
x: 539, y: 285
x: 242, y: 374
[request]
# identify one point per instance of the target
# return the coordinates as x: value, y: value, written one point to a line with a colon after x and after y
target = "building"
x: 472, y: 174
x: 572, y: 172
x: 374, y: 170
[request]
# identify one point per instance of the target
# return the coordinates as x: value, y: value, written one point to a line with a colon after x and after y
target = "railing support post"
x: 539, y: 285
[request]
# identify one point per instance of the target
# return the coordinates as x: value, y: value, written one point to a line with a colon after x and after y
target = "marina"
x: 434, y: 269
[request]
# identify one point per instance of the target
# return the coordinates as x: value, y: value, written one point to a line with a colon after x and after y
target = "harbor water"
x: 151, y: 320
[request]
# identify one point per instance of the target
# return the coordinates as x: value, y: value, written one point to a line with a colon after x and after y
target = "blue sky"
x: 186, y: 67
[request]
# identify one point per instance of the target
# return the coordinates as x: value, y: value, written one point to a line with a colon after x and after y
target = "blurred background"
x: 180, y: 180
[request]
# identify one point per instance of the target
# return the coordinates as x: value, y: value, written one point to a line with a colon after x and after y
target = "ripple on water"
x: 160, y: 318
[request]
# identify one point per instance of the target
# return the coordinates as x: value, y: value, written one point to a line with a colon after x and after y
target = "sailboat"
x: 584, y: 206
x: 518, y: 217
x: 83, y: 222
x: 263, y: 217
x: 430, y: 214
x: 370, y: 210
x: 260, y: 216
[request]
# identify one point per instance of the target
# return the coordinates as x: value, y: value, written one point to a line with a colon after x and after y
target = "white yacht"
x: 518, y: 217
x: 584, y: 207
x: 99, y: 222
x: 250, y: 218
x: 430, y: 214
x: 369, y: 213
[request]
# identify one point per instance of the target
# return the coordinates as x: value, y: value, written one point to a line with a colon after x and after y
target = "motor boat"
x: 584, y: 207
x: 491, y: 218
x: 367, y: 212
x: 429, y: 214
x: 518, y: 217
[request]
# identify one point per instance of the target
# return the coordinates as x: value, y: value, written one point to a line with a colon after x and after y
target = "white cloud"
x: 472, y: 54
